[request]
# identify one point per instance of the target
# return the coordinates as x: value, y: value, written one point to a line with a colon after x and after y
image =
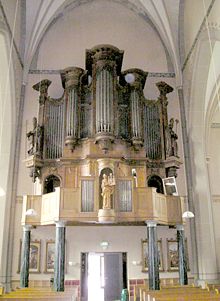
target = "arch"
x: 50, y: 183
x: 46, y: 14
x: 156, y: 182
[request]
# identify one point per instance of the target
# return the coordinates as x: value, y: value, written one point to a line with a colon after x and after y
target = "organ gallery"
x: 100, y: 153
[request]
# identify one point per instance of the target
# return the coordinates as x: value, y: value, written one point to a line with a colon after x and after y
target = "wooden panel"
x: 66, y: 204
x: 160, y: 206
x: 70, y: 199
x: 50, y: 206
x: 71, y: 177
x: 144, y: 201
x: 174, y: 210
x: 32, y: 202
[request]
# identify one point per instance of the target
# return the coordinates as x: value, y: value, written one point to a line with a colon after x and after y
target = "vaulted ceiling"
x: 163, y: 16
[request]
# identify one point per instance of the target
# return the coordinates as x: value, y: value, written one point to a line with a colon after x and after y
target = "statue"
x: 171, y: 145
x: 35, y: 137
x: 107, y: 190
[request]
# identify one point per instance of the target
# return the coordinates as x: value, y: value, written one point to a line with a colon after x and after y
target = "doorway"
x: 103, y: 276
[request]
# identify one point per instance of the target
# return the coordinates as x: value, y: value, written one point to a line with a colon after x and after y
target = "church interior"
x: 109, y: 153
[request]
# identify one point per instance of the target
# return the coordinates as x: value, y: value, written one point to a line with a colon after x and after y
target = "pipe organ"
x: 98, y: 133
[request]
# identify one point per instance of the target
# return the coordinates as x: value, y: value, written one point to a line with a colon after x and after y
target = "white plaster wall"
x: 213, y: 165
x: 5, y: 139
x: 213, y: 76
x: 216, y: 210
x: 96, y: 23
x: 214, y: 160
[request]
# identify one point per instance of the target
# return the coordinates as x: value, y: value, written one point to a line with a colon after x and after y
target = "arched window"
x: 50, y: 183
x: 155, y: 181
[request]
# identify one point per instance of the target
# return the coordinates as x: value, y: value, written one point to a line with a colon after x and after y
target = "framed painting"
x: 34, y: 258
x: 145, y: 255
x: 173, y: 256
x: 169, y: 186
x: 50, y: 256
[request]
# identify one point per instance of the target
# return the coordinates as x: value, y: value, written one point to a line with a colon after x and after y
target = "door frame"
x: 84, y: 271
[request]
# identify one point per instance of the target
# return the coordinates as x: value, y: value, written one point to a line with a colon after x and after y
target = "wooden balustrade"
x: 65, y: 204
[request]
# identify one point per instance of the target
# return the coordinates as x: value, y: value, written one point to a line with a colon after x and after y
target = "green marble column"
x: 25, y: 254
x: 59, y: 265
x: 183, y: 279
x: 153, y: 259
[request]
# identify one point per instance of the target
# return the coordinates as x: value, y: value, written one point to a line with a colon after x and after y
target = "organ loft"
x: 100, y: 151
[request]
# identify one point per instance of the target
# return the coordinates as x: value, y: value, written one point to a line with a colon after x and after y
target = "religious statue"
x: 107, y: 187
x: 171, y: 145
x: 35, y: 137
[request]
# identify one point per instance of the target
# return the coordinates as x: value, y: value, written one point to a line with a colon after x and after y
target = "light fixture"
x: 129, y: 78
x: 30, y: 212
x: 2, y: 192
x: 188, y: 214
x: 104, y: 244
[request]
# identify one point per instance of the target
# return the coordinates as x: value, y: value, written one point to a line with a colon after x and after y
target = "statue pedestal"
x: 106, y: 215
x: 172, y: 164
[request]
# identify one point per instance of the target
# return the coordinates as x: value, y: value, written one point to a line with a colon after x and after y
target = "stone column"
x: 153, y: 260
x: 183, y: 279
x: 25, y: 254
x: 59, y: 265
x: 189, y: 177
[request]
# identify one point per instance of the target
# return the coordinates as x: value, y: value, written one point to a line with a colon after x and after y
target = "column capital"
x: 179, y: 227
x: 27, y: 228
x: 60, y: 224
x: 151, y: 223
